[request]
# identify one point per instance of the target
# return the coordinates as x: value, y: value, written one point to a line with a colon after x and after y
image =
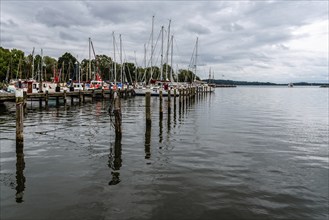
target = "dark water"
x: 241, y: 153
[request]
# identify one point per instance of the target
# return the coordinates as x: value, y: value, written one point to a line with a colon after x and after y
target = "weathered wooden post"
x: 19, y: 116
x: 126, y: 93
x: 46, y: 98
x: 117, y: 116
x: 25, y: 102
x: 64, y: 97
x: 92, y: 95
x: 169, y: 101
x: 148, y: 107
x: 160, y: 105
x: 80, y: 97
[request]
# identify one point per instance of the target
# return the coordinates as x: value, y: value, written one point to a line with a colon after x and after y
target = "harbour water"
x: 240, y: 153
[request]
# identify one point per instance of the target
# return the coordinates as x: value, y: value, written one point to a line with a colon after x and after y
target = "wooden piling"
x: 64, y: 97
x: 19, y: 116
x: 148, y: 108
x: 160, y: 105
x: 80, y: 97
x: 169, y: 101
x: 46, y: 98
x: 25, y: 102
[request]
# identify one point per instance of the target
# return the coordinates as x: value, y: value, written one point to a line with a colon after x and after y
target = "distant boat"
x: 290, y: 85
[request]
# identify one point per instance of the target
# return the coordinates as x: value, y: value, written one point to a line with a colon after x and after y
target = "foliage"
x: 14, y: 64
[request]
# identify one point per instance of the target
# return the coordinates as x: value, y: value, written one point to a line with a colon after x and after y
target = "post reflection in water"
x: 20, y: 178
x: 115, y: 161
x: 175, y: 113
x: 168, y: 126
x: 160, y: 128
x: 148, y: 140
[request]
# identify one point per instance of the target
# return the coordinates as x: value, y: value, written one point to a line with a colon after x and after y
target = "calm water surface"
x: 241, y: 153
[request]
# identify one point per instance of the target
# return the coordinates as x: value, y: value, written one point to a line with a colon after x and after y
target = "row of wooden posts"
x: 184, y: 95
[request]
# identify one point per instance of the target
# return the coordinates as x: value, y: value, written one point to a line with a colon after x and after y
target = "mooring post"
x: 80, y: 97
x: 93, y: 95
x: 46, y: 98
x: 19, y: 116
x: 160, y: 105
x: 169, y: 101
x: 175, y: 96
x: 148, y: 108
x: 25, y: 101
x: 117, y: 115
x: 64, y: 97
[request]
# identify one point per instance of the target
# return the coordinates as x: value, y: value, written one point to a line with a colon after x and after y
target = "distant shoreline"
x: 223, y: 83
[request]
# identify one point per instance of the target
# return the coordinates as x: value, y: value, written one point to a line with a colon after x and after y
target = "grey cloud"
x: 66, y: 36
x: 232, y: 27
x: 53, y: 17
x: 9, y: 23
x: 197, y: 28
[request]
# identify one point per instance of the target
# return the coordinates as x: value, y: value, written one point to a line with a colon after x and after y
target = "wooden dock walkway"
x: 10, y: 97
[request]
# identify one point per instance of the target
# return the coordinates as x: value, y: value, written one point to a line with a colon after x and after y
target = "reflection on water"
x: 20, y: 178
x: 241, y: 153
x: 115, y: 161
x: 148, y: 139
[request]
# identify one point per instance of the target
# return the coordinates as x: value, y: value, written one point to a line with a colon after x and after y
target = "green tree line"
x: 14, y: 64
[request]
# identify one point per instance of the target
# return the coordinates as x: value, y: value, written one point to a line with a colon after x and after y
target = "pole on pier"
x: 117, y: 116
x: 25, y: 102
x: 169, y: 101
x: 19, y: 116
x: 80, y: 97
x: 148, y: 107
x: 64, y: 97
x: 160, y: 106
x: 46, y: 99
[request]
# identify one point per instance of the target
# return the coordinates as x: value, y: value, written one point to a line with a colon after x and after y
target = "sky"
x: 267, y: 41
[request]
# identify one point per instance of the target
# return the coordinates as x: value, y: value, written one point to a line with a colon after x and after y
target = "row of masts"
x: 91, y: 75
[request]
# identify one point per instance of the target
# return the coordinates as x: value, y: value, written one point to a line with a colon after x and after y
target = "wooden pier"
x: 98, y: 93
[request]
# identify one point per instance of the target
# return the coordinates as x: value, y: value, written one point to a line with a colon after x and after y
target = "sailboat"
x: 97, y: 82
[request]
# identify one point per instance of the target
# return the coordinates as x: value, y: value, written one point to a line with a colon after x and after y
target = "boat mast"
x: 196, y: 56
x: 171, y: 56
x: 89, y: 75
x: 32, y: 63
x: 167, y: 53
x: 144, y: 64
x: 152, y: 46
x: 40, y: 72
x: 135, y: 68
x: 115, y: 65
x: 121, y: 69
x: 161, y: 70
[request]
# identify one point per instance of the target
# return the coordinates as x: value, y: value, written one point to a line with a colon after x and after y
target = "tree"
x: 5, y: 61
x: 49, y: 64
x: 67, y: 63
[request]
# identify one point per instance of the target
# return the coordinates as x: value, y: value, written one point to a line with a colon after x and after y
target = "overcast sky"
x: 269, y: 41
